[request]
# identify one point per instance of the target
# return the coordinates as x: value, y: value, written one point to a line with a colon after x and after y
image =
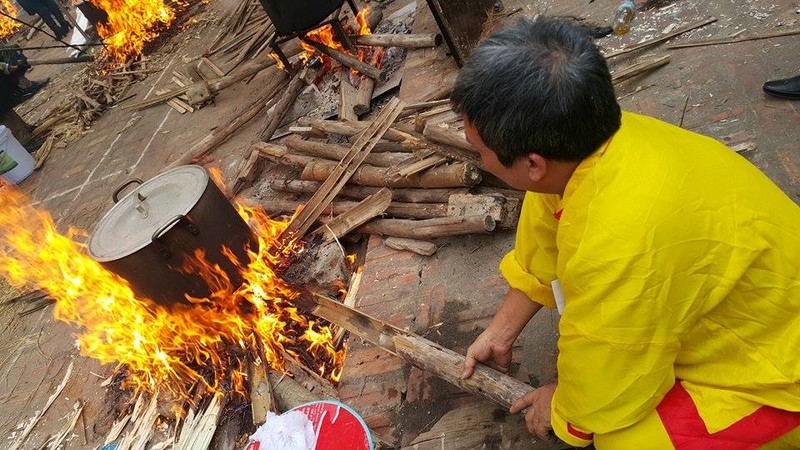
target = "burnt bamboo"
x: 346, y: 60
x: 399, y: 40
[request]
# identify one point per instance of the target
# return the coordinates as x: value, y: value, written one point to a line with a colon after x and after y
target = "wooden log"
x: 337, y: 152
x: 342, y: 172
x: 347, y: 97
x: 444, y: 135
x: 247, y: 173
x: 371, y: 207
x: 448, y: 365
x: 363, y: 97
x: 665, y: 37
x: 452, y: 175
x: 424, y: 248
x: 407, y: 136
x: 286, y: 101
x: 346, y: 60
x: 429, y: 228
x: 408, y: 195
x: 279, y: 154
x: 427, y: 355
x: 419, y: 40
x: 395, y: 209
x: 214, y: 139
x: 261, y: 401
x: 626, y: 73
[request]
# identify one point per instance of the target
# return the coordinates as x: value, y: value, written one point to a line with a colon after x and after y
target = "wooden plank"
x: 648, y: 65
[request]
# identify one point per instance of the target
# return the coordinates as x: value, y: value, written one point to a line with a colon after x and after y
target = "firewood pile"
x: 97, y: 89
x: 246, y: 35
x: 420, y: 179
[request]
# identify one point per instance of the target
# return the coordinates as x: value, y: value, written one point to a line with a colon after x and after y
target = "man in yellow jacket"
x: 675, y: 263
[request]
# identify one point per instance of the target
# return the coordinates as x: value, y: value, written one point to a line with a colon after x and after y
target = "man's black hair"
x: 539, y: 86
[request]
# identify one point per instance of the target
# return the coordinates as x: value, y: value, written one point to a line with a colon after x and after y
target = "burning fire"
x: 186, y: 349
x: 8, y: 26
x: 131, y: 24
x: 324, y: 35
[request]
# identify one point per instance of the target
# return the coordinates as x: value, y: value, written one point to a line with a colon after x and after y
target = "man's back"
x: 671, y: 241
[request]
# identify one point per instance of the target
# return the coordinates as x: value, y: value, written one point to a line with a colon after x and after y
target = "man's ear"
x: 537, y: 167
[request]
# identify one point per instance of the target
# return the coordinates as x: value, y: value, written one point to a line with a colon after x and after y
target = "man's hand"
x: 538, y: 401
x: 490, y: 350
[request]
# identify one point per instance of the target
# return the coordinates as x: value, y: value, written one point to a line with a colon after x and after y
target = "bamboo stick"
x: 214, y: 139
x: 446, y: 136
x: 453, y: 175
x: 735, y: 39
x: 660, y: 39
x: 429, y: 228
x: 395, y: 209
x: 286, y: 101
x: 399, y: 40
x: 626, y: 73
x: 341, y: 173
x: 345, y: 222
x: 408, y: 195
x: 337, y: 152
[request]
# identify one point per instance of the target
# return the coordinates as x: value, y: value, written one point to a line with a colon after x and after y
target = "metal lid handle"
x: 180, y: 218
x: 117, y: 191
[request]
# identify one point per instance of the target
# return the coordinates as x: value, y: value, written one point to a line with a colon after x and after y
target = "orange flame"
x: 131, y: 24
x: 8, y: 26
x: 203, y: 345
x: 324, y: 35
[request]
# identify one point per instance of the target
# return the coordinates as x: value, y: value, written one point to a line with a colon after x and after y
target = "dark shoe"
x: 788, y: 88
x: 34, y: 87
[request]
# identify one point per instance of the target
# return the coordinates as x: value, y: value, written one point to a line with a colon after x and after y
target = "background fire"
x: 8, y: 26
x: 131, y: 24
x: 186, y: 350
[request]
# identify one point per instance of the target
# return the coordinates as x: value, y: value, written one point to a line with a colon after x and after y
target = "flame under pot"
x: 148, y: 235
x: 292, y: 16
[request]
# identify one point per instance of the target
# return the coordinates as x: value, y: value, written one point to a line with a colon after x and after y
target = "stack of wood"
x: 246, y: 35
x: 423, y: 185
x: 101, y: 87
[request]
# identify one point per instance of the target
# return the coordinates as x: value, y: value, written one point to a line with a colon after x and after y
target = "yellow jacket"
x: 677, y: 258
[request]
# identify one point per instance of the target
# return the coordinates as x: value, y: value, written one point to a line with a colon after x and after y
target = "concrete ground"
x: 448, y: 297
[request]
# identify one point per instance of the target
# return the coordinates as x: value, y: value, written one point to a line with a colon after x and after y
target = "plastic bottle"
x: 624, y: 17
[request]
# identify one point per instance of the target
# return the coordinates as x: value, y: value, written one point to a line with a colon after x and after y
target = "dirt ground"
x: 449, y: 297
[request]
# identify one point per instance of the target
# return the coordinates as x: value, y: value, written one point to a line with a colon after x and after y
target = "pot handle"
x: 117, y: 191
x: 180, y: 218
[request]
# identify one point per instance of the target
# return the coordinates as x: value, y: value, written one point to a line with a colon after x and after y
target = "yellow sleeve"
x: 531, y: 265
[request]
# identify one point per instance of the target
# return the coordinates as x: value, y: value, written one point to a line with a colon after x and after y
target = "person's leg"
x: 676, y: 424
x: 50, y: 22
x: 55, y: 11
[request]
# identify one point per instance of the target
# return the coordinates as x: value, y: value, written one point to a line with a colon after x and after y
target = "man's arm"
x: 493, y: 346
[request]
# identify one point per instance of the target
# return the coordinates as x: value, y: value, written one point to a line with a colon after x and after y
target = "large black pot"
x: 292, y: 16
x: 146, y: 235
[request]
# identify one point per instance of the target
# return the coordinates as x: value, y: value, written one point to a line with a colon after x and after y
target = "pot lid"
x: 129, y: 225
